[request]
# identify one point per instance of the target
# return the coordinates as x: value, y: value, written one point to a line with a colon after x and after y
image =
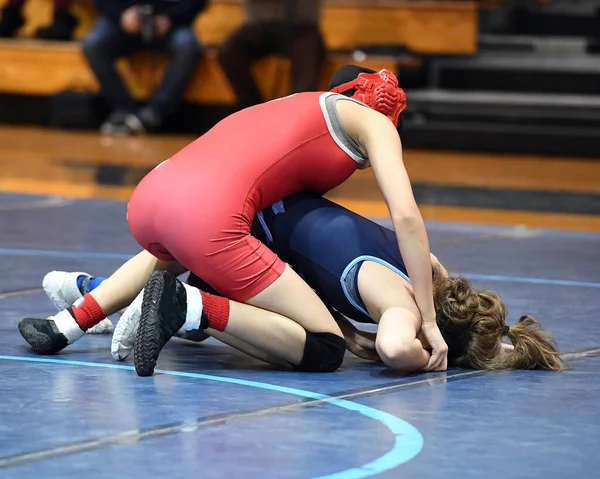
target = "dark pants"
x: 302, y: 44
x: 106, y: 42
x: 58, y: 4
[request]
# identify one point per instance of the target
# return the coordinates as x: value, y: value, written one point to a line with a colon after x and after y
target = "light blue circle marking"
x: 408, y: 441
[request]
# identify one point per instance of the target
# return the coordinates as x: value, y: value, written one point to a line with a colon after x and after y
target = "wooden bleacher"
x: 31, y: 67
x: 427, y: 27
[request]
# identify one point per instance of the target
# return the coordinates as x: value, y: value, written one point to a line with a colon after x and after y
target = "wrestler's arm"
x: 399, y: 350
x: 379, y: 139
x: 397, y: 343
x: 390, y: 303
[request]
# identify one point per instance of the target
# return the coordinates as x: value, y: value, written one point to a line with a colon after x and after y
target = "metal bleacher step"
x: 546, y: 106
x: 565, y: 73
x: 532, y: 43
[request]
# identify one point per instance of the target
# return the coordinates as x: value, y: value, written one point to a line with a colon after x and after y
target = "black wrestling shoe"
x: 164, y: 308
x: 43, y: 335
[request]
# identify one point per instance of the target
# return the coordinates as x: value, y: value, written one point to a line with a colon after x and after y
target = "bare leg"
x: 269, y: 332
x: 248, y: 348
x: 274, y: 321
x: 261, y: 334
x: 121, y: 288
x: 69, y: 325
x: 290, y: 296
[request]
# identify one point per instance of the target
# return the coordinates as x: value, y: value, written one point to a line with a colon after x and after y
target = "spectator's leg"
x: 593, y: 43
x: 63, y: 23
x: 237, y: 55
x: 184, y: 50
x: 101, y: 47
x: 12, y: 18
x: 306, y: 52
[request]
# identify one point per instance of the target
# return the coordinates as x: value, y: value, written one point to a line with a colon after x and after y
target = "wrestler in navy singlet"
x: 326, y: 244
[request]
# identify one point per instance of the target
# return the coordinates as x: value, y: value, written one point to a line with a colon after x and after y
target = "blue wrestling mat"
x: 212, y: 412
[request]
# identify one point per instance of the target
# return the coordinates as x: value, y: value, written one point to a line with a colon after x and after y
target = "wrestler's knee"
x: 323, y: 352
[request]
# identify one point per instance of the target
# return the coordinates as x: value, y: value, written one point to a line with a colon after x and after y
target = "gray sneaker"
x: 116, y: 125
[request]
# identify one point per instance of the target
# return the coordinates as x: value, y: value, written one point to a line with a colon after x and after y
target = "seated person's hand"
x: 130, y: 20
x: 162, y: 24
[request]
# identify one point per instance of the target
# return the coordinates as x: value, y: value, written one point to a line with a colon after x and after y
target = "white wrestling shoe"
x: 61, y: 288
x: 123, y: 340
x: 103, y: 327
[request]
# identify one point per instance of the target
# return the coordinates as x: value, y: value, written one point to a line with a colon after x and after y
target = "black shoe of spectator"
x: 146, y: 120
x: 115, y: 124
x: 593, y: 43
x: 11, y: 21
x: 593, y: 46
x: 61, y: 29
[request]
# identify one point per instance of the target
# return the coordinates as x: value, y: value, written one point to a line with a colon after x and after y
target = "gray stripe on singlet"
x: 328, y: 101
x: 349, y: 280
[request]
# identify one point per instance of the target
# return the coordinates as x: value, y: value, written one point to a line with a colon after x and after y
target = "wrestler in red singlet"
x: 198, y: 206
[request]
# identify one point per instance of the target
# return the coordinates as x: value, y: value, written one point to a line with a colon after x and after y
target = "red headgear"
x: 379, y: 91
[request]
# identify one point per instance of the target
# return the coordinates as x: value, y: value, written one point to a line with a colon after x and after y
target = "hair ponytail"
x: 534, y: 347
x: 473, y: 323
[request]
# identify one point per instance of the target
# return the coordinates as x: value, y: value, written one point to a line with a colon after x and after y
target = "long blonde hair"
x: 473, y: 323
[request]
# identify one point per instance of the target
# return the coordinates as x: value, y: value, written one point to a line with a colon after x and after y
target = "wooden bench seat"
x: 32, y: 67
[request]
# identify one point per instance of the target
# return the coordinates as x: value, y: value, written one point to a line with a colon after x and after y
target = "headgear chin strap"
x: 378, y: 90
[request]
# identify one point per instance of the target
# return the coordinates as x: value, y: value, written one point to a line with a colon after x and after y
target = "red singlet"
x: 198, y: 206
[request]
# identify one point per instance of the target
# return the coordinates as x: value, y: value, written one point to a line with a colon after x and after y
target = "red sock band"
x: 88, y: 314
x: 216, y: 309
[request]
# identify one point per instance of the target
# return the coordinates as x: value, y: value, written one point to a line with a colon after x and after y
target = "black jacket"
x: 181, y: 12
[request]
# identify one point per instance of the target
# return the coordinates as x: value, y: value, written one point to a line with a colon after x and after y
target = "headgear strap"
x: 378, y: 90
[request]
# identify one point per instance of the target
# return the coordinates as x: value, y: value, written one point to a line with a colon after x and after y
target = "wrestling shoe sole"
x: 43, y: 335
x: 163, y: 314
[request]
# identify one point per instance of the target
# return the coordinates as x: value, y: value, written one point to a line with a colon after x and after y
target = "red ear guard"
x: 378, y: 90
